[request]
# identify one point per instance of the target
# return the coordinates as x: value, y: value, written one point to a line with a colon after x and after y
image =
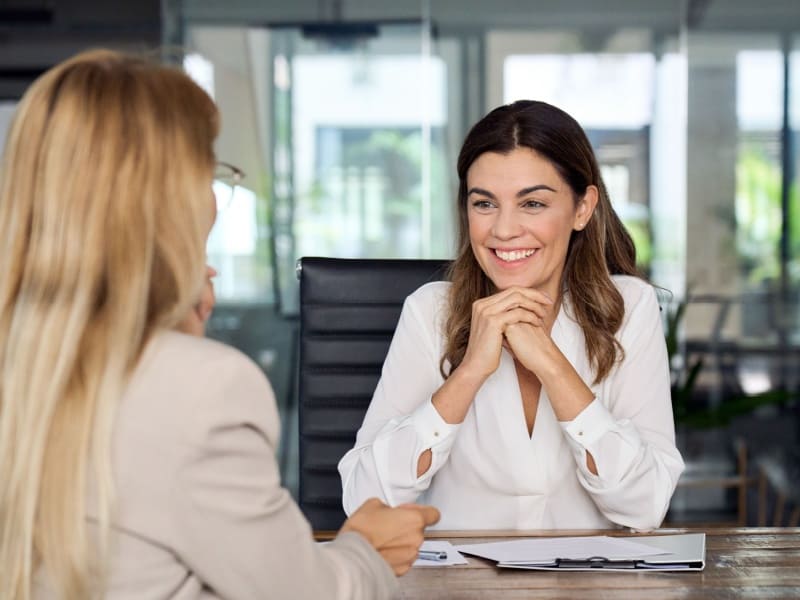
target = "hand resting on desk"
x: 396, y: 533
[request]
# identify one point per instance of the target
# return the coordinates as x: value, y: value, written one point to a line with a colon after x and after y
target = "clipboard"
x: 682, y: 552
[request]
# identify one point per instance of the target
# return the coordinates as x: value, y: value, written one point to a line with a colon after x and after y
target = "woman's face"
x: 521, y: 215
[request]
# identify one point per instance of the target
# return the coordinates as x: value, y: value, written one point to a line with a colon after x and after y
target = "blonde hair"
x: 105, y: 204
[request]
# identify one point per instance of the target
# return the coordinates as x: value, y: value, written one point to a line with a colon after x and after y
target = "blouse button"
x: 435, y: 434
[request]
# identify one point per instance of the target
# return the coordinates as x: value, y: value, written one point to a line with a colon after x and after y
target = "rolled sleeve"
x: 592, y: 423
x: 432, y: 430
x: 401, y: 423
x: 433, y: 433
x: 396, y: 468
x: 613, y: 444
x: 628, y: 429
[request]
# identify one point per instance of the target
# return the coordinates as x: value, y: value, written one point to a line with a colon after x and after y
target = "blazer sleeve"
x: 236, y: 527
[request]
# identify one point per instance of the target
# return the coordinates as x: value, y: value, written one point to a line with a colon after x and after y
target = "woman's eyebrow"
x: 482, y: 192
x: 534, y: 188
x: 520, y: 194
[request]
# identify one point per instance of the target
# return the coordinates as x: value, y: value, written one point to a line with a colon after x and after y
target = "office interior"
x: 347, y: 117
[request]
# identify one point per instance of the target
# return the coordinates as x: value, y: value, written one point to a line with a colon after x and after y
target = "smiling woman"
x: 521, y: 217
x: 536, y: 380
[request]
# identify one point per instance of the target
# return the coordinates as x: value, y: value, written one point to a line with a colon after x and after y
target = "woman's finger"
x: 531, y: 293
x: 515, y: 315
x: 513, y: 301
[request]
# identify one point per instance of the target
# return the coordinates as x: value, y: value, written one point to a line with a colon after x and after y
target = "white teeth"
x: 514, y: 254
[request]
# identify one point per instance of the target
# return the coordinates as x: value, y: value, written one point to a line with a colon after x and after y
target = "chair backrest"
x: 349, y: 309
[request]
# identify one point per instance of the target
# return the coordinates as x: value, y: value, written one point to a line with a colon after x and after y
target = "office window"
x: 759, y: 112
x: 587, y: 85
x: 360, y: 167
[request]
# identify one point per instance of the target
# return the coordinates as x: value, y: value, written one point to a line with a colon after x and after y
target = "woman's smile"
x: 514, y: 256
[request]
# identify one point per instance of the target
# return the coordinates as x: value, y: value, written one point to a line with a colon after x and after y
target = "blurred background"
x: 347, y: 117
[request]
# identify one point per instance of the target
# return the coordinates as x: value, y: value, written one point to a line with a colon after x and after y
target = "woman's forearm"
x: 453, y: 399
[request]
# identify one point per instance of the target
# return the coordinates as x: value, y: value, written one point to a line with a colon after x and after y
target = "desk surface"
x: 753, y: 563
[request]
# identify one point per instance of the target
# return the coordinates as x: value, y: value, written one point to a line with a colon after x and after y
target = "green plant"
x: 758, y: 213
x: 642, y: 240
x: 685, y: 409
x: 684, y: 377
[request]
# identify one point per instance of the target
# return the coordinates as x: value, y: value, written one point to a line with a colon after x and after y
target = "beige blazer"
x: 200, y: 509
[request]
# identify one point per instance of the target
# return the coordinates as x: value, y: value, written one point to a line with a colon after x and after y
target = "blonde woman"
x: 137, y: 461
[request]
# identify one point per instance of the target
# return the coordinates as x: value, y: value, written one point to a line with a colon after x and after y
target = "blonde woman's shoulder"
x: 190, y: 384
x: 193, y: 350
x: 194, y: 414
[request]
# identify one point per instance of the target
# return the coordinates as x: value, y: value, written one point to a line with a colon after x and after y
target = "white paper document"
x: 545, y: 550
x: 667, y: 552
x: 453, y: 556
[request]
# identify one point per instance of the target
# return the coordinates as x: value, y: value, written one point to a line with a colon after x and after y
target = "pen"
x: 433, y: 555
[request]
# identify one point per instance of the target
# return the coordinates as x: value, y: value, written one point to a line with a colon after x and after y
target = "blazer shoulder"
x: 197, y: 359
x: 190, y: 383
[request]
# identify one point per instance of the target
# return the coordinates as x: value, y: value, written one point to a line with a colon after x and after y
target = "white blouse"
x: 487, y: 472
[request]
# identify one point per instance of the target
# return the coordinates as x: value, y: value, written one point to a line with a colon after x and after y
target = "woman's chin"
x: 503, y: 283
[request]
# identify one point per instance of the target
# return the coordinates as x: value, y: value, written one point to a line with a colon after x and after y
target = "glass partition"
x: 344, y: 133
x: 348, y: 123
x: 587, y: 85
x: 628, y: 93
x: 359, y: 156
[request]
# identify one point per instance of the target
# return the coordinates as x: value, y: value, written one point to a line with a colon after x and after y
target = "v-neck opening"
x: 529, y: 435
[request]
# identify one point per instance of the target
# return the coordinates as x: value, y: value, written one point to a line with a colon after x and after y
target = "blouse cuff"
x: 592, y: 423
x: 432, y: 430
x: 613, y: 454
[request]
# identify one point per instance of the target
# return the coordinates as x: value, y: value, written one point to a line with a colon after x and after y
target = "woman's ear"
x: 585, y: 209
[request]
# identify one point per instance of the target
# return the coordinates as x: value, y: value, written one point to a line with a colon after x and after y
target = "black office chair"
x: 348, y: 313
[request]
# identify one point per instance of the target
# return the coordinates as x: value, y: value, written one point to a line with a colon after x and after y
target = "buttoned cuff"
x: 431, y: 429
x: 592, y: 423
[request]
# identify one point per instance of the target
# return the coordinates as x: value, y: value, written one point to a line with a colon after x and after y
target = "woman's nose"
x: 506, y: 225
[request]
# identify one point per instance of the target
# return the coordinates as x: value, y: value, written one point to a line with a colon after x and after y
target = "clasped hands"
x: 521, y: 319
x: 517, y: 318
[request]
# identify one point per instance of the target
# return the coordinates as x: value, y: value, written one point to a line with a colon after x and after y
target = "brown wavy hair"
x: 603, y: 248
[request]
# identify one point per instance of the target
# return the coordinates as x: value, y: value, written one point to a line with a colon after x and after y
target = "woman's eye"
x: 533, y: 204
x: 482, y: 204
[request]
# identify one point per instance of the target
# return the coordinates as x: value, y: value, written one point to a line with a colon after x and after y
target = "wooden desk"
x: 740, y: 563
